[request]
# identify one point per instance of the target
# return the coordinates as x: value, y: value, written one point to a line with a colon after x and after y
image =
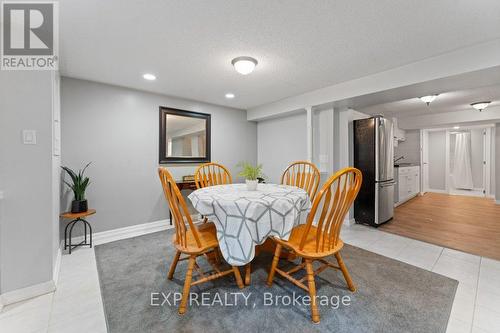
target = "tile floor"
x: 76, y: 306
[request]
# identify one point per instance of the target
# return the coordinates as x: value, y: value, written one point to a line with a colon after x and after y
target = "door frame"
x: 424, y: 157
x: 487, y: 161
x: 424, y: 161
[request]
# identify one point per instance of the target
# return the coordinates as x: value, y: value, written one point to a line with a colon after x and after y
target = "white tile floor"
x: 76, y: 306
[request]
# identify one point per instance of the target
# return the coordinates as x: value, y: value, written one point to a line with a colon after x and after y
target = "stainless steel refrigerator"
x: 374, y: 156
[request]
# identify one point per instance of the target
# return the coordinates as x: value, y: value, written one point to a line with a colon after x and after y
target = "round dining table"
x: 245, y: 219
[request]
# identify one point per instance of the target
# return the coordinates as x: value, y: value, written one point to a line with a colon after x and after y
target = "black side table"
x: 75, y: 218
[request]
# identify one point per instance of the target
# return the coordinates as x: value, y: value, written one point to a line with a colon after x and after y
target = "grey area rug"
x: 392, y: 296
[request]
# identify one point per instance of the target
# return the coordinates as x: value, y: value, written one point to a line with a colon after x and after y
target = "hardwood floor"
x: 463, y: 223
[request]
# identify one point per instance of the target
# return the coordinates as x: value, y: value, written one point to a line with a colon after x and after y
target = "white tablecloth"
x: 247, y: 218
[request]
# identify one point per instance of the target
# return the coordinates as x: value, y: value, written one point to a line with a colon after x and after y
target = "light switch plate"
x: 29, y: 137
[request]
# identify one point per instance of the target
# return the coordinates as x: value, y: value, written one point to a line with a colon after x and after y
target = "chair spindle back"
x: 210, y: 174
x: 178, y: 208
x: 332, y: 203
x: 302, y: 174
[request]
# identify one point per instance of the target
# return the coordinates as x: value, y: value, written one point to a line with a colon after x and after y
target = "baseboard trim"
x: 128, y: 232
x: 57, y: 265
x: 22, y: 294
x: 437, y: 191
x: 125, y: 232
x: 349, y: 221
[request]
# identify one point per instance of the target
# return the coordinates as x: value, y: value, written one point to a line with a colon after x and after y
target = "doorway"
x: 457, y: 161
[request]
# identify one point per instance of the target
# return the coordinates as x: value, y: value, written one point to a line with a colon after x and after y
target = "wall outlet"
x: 29, y: 137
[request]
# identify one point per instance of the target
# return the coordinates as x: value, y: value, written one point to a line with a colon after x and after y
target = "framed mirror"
x: 184, y: 136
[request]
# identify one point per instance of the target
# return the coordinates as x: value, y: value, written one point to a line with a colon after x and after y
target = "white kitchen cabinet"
x: 408, y: 179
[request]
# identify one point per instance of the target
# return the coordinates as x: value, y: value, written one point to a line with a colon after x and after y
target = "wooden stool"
x: 75, y: 218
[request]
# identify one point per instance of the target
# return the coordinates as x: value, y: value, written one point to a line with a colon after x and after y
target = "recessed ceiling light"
x: 229, y: 95
x: 456, y: 127
x: 149, y: 77
x: 480, y: 106
x: 244, y: 65
x: 428, y: 99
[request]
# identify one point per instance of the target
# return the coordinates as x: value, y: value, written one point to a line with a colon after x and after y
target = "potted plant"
x: 79, y: 185
x: 251, y: 174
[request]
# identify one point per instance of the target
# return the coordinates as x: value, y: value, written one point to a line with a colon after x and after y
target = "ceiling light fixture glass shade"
x: 149, y: 77
x: 428, y: 99
x: 229, y: 95
x: 244, y: 65
x: 480, y: 106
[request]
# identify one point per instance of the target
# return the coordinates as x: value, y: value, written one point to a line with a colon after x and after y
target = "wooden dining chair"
x: 302, y: 174
x: 191, y: 240
x: 316, y: 241
x: 210, y: 174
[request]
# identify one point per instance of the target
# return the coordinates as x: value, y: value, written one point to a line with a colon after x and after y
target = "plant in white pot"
x: 251, y: 173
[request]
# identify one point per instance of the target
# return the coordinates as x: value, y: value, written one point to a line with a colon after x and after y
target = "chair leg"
x: 345, y: 272
x: 312, y: 291
x: 218, y: 256
x: 248, y: 273
x: 187, y: 285
x: 173, y: 265
x: 237, y: 275
x: 276, y: 258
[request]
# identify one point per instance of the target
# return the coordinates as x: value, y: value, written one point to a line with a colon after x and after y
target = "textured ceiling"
x: 300, y: 45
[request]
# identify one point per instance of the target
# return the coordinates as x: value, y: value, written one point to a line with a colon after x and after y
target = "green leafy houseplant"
x: 251, y: 174
x: 78, y: 186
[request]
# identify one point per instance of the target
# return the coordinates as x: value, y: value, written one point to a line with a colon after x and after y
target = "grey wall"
x: 284, y: 140
x: 27, y: 242
x: 280, y: 142
x: 117, y: 130
x: 410, y: 148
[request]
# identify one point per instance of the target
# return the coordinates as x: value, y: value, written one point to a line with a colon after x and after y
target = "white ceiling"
x: 300, y: 45
x: 445, y: 102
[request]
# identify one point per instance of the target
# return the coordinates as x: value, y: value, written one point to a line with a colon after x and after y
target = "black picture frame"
x: 162, y: 157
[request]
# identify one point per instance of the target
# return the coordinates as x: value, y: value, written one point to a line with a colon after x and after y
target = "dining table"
x: 245, y: 219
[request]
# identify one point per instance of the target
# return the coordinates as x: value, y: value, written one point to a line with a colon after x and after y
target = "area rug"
x: 392, y: 296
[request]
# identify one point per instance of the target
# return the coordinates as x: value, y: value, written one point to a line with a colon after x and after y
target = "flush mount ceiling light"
x: 456, y: 127
x: 428, y: 99
x: 149, y: 77
x: 480, y: 106
x: 244, y: 65
x: 229, y: 95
